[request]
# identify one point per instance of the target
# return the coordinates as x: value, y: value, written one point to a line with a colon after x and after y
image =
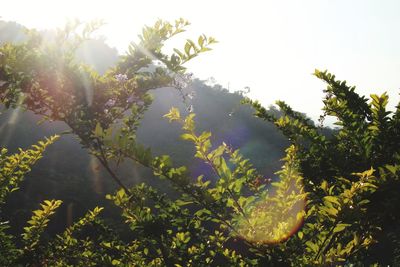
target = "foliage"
x: 12, y: 170
x: 15, y: 166
x: 45, y: 78
x: 33, y: 248
x: 230, y: 215
x: 367, y: 137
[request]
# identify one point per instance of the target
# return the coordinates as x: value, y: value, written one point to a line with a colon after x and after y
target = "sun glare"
x: 274, y: 218
x: 94, y: 168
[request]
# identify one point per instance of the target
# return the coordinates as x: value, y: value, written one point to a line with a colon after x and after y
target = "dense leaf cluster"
x: 367, y: 137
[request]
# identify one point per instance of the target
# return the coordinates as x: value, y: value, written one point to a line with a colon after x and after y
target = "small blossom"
x: 190, y: 108
x: 191, y: 95
x: 182, y: 81
x: 121, y: 77
x: 132, y: 98
x: 110, y: 103
x: 188, y: 76
x: 158, y: 63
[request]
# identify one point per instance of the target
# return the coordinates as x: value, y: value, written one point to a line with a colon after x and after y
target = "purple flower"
x: 110, y: 103
x: 132, y: 98
x: 182, y: 81
x: 121, y: 77
x: 188, y: 76
x: 191, y: 95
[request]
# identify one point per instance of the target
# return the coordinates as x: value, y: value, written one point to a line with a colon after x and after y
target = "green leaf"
x: 98, y: 131
x: 391, y: 168
x: 187, y: 48
x: 204, y: 136
x: 332, y: 199
x: 179, y: 53
x: 300, y: 234
x: 188, y: 136
x: 183, y: 203
x: 312, y: 246
x: 201, y: 41
x: 340, y: 227
x: 173, y: 114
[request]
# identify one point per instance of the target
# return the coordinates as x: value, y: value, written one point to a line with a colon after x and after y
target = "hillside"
x: 68, y: 173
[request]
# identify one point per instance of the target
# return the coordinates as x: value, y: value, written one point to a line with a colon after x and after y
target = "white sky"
x: 271, y: 46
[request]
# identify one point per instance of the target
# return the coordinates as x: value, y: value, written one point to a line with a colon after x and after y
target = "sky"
x: 271, y: 46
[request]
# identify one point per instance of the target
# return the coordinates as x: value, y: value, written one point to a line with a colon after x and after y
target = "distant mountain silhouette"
x: 11, y: 32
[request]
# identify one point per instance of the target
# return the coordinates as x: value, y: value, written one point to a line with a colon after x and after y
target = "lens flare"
x: 276, y: 216
x: 9, y: 126
x: 70, y: 217
x: 96, y: 179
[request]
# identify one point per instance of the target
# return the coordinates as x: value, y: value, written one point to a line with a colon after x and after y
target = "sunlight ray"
x: 87, y: 57
x: 8, y: 127
x: 70, y: 214
x: 145, y: 51
x: 97, y: 183
x: 87, y: 88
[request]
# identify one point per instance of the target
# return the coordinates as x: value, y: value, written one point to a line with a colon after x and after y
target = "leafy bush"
x: 12, y: 170
x: 368, y: 136
x: 318, y: 213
